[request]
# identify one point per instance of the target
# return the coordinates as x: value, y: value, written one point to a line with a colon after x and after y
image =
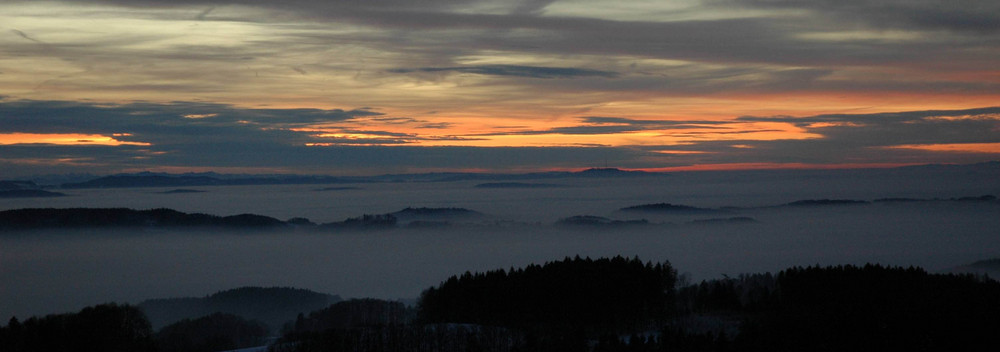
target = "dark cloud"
x: 877, y: 118
x: 436, y: 125
x: 766, y: 52
x: 173, y: 126
x: 958, y: 15
x: 396, y: 120
x: 69, y: 117
x: 531, y: 7
x: 761, y: 39
x: 861, y: 138
x: 514, y: 70
x: 588, y: 130
x: 417, y: 27
x: 201, y: 16
x: 652, y: 123
x: 380, y: 133
x: 612, y: 125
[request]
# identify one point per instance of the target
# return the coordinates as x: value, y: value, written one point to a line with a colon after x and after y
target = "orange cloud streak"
x: 62, y: 139
x: 990, y: 148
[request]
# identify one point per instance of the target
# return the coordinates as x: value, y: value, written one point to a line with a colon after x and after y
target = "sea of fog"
x: 53, y: 272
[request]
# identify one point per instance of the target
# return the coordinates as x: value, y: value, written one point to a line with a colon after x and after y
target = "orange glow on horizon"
x: 680, y: 152
x: 64, y: 139
x: 549, y: 136
x: 989, y: 148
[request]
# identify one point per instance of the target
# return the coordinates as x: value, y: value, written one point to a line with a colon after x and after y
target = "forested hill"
x: 69, y: 218
x: 273, y: 306
x: 24, y: 189
x: 41, y: 218
x: 604, y: 294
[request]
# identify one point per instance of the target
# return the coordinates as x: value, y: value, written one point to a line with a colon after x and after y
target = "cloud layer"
x: 657, y: 84
x: 190, y: 136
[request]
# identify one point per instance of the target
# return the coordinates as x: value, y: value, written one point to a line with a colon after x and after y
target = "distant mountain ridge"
x: 157, y: 180
x: 146, y: 178
x: 24, y: 189
x: 10, y: 185
x: 29, y: 193
x: 150, y: 179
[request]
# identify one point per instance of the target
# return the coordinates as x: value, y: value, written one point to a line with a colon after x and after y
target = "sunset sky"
x: 391, y: 86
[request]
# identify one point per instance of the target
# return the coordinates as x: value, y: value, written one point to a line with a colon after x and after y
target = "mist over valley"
x: 936, y: 217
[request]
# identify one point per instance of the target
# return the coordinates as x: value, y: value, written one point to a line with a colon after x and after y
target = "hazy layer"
x: 55, y: 272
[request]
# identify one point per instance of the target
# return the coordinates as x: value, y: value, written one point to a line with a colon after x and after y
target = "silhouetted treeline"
x: 424, y: 211
x: 852, y: 308
x: 216, y: 332
x: 122, y: 217
x: 560, y: 307
x: 746, y: 293
x: 51, y: 218
x: 377, y: 325
x: 107, y: 327
x: 354, y: 313
x: 557, y: 306
x: 364, y: 222
x: 607, y: 305
x: 124, y: 328
x: 598, y: 221
x: 841, y: 308
x: 667, y: 208
x: 410, y: 217
x: 602, y: 294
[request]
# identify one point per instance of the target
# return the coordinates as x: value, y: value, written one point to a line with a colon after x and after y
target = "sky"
x: 391, y: 86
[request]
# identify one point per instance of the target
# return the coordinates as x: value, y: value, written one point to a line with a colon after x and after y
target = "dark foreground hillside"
x: 582, y: 304
x: 107, y: 327
x: 623, y: 304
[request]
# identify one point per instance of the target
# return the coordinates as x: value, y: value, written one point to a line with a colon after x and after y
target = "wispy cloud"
x: 514, y: 70
x: 25, y: 35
